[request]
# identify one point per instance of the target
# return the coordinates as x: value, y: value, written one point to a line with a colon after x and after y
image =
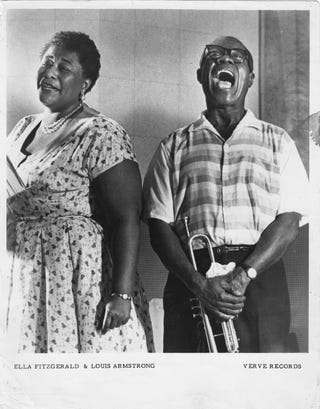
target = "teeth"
x: 47, y: 86
x: 228, y: 71
x: 224, y: 84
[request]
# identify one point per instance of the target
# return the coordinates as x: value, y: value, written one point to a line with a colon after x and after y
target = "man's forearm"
x: 168, y: 247
x: 274, y: 241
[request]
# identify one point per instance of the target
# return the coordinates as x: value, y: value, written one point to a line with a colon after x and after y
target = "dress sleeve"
x: 294, y: 185
x: 109, y: 145
x: 19, y: 127
x: 157, y: 191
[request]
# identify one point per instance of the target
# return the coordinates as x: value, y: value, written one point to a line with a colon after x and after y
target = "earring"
x: 82, y: 96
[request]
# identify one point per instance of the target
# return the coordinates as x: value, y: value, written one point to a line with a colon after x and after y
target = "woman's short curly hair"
x: 84, y: 47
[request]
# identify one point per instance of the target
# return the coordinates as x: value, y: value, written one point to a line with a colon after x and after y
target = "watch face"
x: 251, y: 273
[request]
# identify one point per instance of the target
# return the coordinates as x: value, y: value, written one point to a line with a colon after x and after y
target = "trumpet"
x: 228, y: 331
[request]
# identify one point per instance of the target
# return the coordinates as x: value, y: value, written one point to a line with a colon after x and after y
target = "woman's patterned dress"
x: 60, y: 264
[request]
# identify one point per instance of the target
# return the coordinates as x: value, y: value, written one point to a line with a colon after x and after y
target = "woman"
x: 74, y: 203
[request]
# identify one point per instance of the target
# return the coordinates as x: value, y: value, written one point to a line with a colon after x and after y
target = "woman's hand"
x: 113, y: 314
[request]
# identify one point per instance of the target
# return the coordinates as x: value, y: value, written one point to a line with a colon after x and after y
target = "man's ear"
x: 199, y: 75
x: 251, y: 78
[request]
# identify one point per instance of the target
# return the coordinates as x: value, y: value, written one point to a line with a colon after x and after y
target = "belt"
x: 222, y: 254
x: 230, y: 248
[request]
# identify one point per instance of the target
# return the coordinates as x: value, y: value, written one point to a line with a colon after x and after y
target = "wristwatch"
x: 251, y: 272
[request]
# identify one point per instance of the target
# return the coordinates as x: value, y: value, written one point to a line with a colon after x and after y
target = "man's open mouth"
x: 224, y: 79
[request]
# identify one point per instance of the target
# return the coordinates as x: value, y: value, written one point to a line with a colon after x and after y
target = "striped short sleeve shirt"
x: 230, y: 190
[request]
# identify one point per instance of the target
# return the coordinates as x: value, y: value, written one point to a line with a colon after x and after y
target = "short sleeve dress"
x: 59, y: 260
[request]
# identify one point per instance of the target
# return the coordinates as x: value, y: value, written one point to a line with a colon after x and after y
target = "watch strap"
x: 246, y: 267
x: 124, y: 296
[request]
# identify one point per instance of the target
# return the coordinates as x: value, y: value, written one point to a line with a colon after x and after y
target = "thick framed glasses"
x: 215, y: 52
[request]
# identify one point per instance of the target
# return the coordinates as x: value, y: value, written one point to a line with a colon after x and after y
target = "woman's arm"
x: 118, y: 191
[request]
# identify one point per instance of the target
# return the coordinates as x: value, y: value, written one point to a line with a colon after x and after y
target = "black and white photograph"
x: 160, y: 222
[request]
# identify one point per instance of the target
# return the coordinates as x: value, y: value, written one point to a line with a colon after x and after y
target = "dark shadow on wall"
x: 284, y: 101
x: 297, y: 267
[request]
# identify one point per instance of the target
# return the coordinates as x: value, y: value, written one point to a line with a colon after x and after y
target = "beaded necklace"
x: 48, y: 129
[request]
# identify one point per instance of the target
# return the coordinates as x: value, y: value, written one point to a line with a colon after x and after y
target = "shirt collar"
x: 249, y: 120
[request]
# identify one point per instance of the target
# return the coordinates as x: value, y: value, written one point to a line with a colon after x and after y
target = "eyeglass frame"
x: 228, y: 51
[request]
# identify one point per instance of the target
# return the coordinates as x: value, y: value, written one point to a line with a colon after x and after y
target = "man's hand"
x: 238, y: 281
x: 113, y: 314
x: 217, y: 297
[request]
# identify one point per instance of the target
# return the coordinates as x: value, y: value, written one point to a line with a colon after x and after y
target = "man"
x: 240, y: 181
